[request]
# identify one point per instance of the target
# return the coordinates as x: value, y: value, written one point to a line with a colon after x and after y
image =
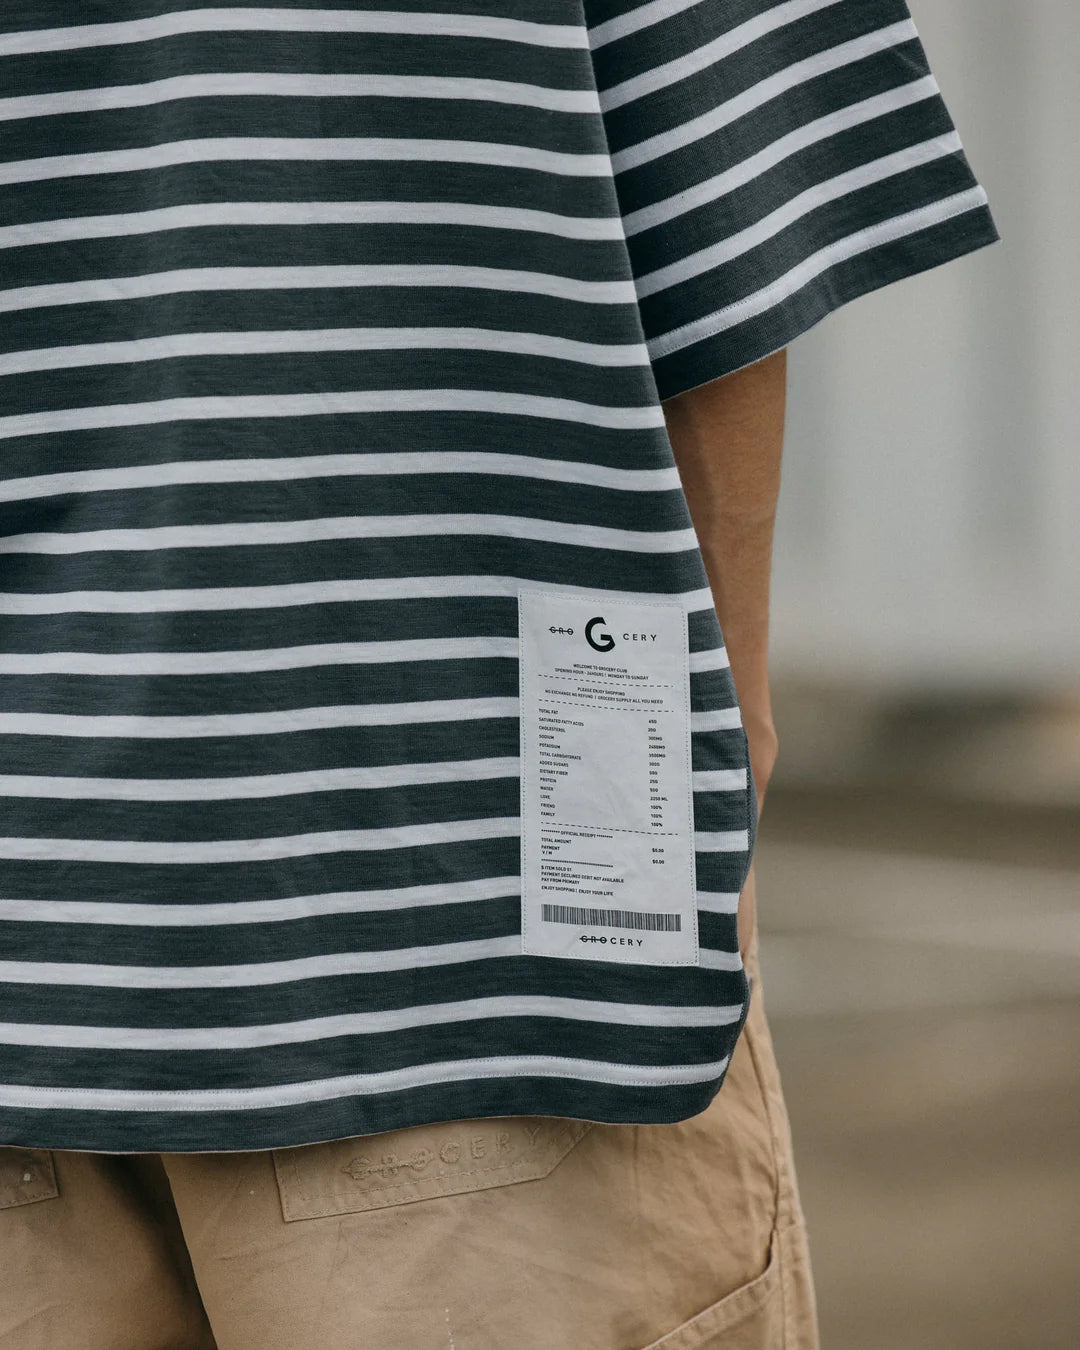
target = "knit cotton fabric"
x: 325, y: 330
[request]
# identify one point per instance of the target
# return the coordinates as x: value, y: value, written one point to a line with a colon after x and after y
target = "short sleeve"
x: 773, y: 161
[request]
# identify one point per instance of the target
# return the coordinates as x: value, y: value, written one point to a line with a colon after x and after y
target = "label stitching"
x: 692, y: 929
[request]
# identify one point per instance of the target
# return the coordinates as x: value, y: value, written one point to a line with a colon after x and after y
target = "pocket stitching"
x: 48, y: 1188
x: 443, y: 1186
x: 729, y: 1311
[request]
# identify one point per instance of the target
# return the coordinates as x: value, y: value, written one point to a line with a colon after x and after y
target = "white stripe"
x: 721, y: 841
x: 716, y: 658
x: 261, y: 973
x: 796, y: 208
x: 291, y: 908
x: 290, y: 468
x: 723, y: 114
x: 99, y: 975
x: 187, y: 852
x: 205, y: 599
x: 747, y: 170
x: 241, y: 343
x: 710, y: 53
x: 224, y: 788
x: 250, y: 661
x: 164, y: 852
x: 23, y: 1097
x: 284, y: 20
x: 262, y: 149
x: 140, y: 665
x: 719, y: 780
x: 358, y: 778
x: 363, y: 1024
x: 288, y: 720
x: 260, y: 84
x: 203, y: 215
x: 450, y: 523
x: 315, y: 277
x: 714, y: 960
x: 815, y: 265
x: 282, y: 910
x: 283, y: 722
x: 232, y: 407
x: 641, y: 16
x: 715, y: 902
x: 718, y: 719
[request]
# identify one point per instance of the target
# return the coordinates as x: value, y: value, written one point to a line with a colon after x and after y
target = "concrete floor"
x: 926, y: 1015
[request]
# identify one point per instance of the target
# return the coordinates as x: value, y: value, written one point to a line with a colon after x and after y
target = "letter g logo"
x: 606, y: 641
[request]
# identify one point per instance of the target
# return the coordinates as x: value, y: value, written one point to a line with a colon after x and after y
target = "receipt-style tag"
x: 607, y: 825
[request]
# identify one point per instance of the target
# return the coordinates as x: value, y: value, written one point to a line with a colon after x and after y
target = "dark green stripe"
x: 302, y: 54
x: 284, y: 751
x: 329, y: 307
x: 312, y: 499
x: 333, y: 180
x: 189, y: 883
x: 348, y: 371
x: 429, y: 555
x: 324, y: 621
x: 279, y: 1127
x: 241, y: 943
x: 359, y: 433
x: 378, y: 1053
x: 23, y: 15
x: 328, y: 996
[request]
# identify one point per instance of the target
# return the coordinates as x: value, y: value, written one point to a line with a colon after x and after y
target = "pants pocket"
x: 26, y: 1175
x: 748, y: 1123
x: 379, y: 1171
x: 749, y: 1318
x: 775, y: 1311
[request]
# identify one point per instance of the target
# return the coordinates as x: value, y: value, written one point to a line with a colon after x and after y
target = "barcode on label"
x: 612, y: 918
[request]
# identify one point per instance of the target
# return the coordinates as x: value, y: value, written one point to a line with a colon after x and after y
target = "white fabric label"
x: 607, y: 824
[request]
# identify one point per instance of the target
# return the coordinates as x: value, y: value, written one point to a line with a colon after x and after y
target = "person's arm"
x: 727, y: 437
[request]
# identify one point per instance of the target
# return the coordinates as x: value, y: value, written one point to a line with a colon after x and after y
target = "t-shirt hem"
x: 309, y: 1123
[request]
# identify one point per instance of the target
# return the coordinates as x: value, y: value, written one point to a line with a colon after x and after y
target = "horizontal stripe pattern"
x: 547, y: 1066
x: 325, y: 330
x: 319, y: 466
x: 252, y: 661
x: 214, y: 725
x: 412, y: 23
x: 118, y: 289
x: 217, y: 214
x: 781, y: 159
x: 346, y: 1024
x: 209, y: 913
x: 260, y: 85
x: 296, y: 149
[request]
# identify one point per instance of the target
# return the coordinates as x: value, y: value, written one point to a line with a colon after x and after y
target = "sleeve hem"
x: 742, y: 345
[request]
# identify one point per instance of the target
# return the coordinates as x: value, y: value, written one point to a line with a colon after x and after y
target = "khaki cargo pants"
x: 529, y: 1233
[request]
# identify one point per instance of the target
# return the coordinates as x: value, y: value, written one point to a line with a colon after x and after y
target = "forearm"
x: 727, y: 438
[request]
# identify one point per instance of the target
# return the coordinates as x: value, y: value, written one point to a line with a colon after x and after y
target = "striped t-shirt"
x: 333, y: 341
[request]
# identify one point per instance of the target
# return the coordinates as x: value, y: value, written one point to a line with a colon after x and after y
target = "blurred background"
x: 919, y: 856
